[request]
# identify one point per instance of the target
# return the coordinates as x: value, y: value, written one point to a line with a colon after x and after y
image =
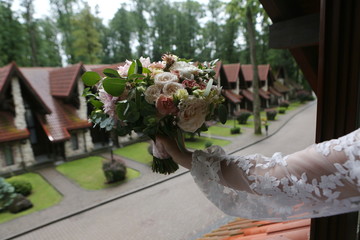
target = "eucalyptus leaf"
x: 96, y: 103
x: 90, y: 78
x: 114, y: 86
x: 208, y: 87
x: 222, y: 113
x: 111, y: 73
x: 134, y: 76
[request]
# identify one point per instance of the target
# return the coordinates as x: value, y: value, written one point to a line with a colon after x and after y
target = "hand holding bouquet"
x: 169, y: 97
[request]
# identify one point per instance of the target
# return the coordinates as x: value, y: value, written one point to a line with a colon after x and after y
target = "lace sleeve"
x: 321, y: 180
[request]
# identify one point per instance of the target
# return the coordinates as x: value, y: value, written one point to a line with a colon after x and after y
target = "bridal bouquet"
x: 169, y: 97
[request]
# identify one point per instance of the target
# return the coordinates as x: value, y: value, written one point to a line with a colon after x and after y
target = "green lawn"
x: 43, y: 196
x: 137, y: 152
x: 88, y: 173
x: 199, y: 143
x: 221, y: 131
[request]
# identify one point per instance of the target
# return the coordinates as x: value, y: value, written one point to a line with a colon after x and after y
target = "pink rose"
x: 190, y: 84
x: 165, y: 105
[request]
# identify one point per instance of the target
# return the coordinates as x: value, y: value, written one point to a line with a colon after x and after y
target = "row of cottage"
x: 44, y: 118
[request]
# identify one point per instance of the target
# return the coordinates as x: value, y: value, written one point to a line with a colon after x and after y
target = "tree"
x: 12, y: 37
x: 64, y: 15
x: 121, y: 28
x: 31, y: 29
x: 87, y: 46
x: 141, y: 27
x: 247, y: 10
x: 49, y: 47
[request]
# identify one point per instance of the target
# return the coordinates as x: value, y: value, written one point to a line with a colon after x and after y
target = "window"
x: 74, y: 141
x: 9, y: 158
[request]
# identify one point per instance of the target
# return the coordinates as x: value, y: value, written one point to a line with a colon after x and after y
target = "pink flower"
x: 109, y: 102
x: 123, y: 70
x: 190, y: 84
x: 165, y: 105
x: 159, y: 65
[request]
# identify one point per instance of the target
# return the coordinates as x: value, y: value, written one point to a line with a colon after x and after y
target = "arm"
x: 321, y: 180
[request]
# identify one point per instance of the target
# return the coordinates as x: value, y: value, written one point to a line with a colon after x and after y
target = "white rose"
x: 165, y: 77
x: 186, y: 70
x: 171, y: 88
x: 152, y: 93
x: 192, y: 114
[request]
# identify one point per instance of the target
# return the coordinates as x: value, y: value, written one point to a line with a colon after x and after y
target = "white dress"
x: 321, y: 180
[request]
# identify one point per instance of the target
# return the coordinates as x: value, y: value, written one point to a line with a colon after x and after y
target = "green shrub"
x: 208, y: 144
x: 304, y: 96
x: 235, y: 130
x: 243, y: 117
x: 271, y: 114
x: 284, y: 104
x: 282, y: 110
x: 7, y: 194
x: 114, y: 171
x: 22, y: 187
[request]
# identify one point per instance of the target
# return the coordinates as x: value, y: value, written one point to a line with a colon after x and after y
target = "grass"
x: 199, y: 142
x: 221, y: 131
x: 43, y: 196
x: 88, y: 173
x: 137, y: 152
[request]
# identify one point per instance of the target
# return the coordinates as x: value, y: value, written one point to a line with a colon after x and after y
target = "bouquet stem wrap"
x: 162, y: 161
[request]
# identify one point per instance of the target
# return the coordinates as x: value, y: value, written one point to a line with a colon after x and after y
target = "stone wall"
x: 84, y: 141
x: 22, y: 155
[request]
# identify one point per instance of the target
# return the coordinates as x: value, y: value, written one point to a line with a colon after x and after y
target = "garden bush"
x: 284, y: 104
x: 208, y: 144
x: 271, y: 114
x: 304, y: 96
x: 7, y: 194
x: 114, y: 171
x: 282, y: 110
x: 243, y: 117
x: 22, y: 187
x: 235, y: 130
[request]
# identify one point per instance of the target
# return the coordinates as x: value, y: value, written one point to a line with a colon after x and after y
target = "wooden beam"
x: 294, y: 33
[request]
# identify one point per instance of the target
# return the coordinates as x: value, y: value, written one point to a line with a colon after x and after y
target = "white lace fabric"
x: 321, y: 180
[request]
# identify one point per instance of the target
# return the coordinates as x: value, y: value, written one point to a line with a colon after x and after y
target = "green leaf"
x: 180, y: 140
x: 114, y: 86
x: 222, y: 113
x: 133, y: 76
x: 138, y: 67
x: 96, y: 103
x: 208, y: 87
x: 90, y: 78
x: 127, y: 111
x: 131, y: 70
x: 146, y: 70
x: 111, y: 73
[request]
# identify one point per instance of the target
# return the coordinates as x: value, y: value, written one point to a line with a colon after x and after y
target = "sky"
x: 107, y: 8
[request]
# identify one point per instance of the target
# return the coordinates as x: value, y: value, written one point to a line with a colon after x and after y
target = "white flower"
x: 186, y: 70
x: 165, y: 77
x: 181, y: 94
x: 192, y: 113
x: 171, y: 88
x: 152, y: 93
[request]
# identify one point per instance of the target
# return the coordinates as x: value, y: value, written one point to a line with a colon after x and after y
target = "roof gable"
x: 8, y: 130
x: 247, y: 71
x: 10, y: 70
x: 232, y: 72
x: 62, y: 80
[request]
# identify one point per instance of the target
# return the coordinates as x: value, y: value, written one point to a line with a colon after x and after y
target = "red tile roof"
x: 217, y: 69
x: 273, y: 91
x: 264, y: 94
x: 243, y: 229
x: 62, y: 80
x: 247, y: 94
x: 10, y: 70
x: 247, y: 71
x: 232, y: 72
x: 233, y: 97
x: 8, y: 130
x: 63, y: 117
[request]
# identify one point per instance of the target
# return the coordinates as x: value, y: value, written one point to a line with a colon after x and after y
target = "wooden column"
x: 338, y: 94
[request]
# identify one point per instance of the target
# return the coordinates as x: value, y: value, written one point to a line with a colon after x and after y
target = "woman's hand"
x: 183, y: 158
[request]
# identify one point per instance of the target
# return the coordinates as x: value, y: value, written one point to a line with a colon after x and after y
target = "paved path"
x: 152, y: 206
